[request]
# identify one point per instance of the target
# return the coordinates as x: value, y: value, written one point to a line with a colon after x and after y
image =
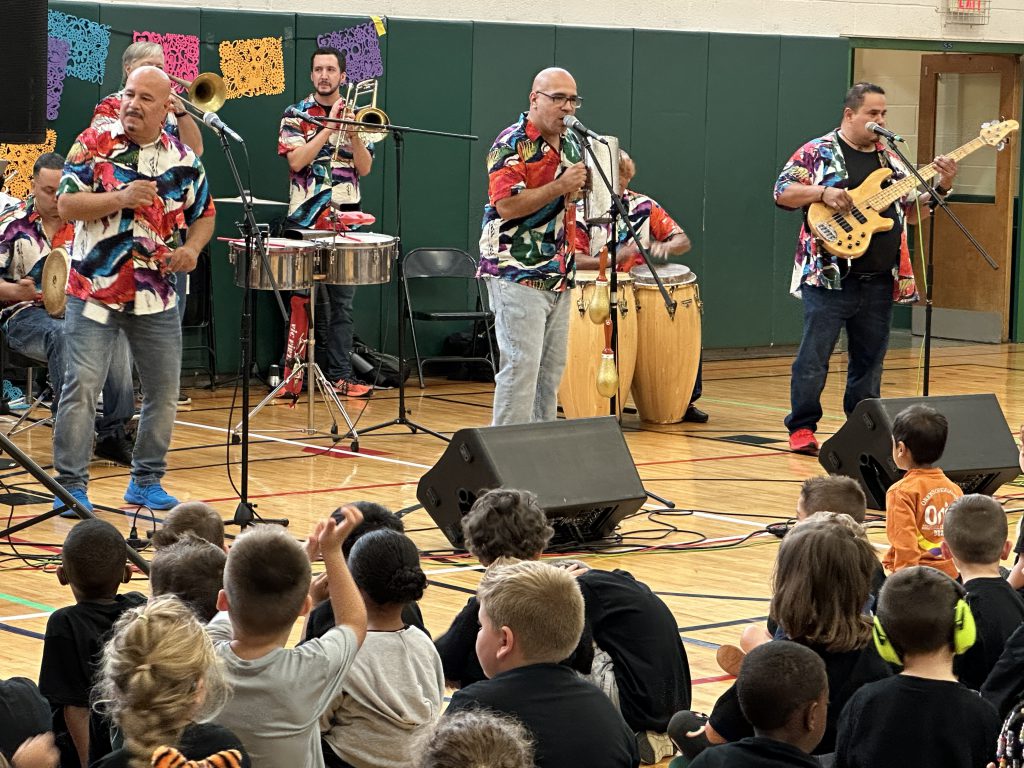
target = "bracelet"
x: 181, y: 114
x: 822, y: 198
x: 942, y: 190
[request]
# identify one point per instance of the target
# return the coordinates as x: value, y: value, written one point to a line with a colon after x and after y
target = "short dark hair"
x: 776, y: 679
x: 375, y: 517
x: 915, y: 608
x: 94, y: 557
x: 833, y: 493
x: 923, y: 430
x: 328, y: 50
x: 192, y: 569
x: 266, y: 579
x: 196, y: 517
x: 506, y: 523
x: 975, y: 529
x: 855, y: 96
x: 51, y: 161
x: 385, y: 565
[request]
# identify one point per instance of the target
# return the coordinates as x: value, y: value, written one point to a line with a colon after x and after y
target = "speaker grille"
x: 23, y: 64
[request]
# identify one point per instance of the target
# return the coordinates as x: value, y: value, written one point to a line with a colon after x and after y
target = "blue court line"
x: 713, y: 597
x: 716, y: 625
x: 20, y: 631
x: 700, y: 643
x: 453, y: 587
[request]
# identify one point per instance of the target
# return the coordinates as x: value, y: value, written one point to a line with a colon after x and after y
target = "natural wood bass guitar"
x: 847, y: 234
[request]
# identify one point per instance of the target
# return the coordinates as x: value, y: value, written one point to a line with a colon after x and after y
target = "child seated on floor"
x: 24, y: 717
x: 475, y: 739
x: 822, y: 580
x: 195, y: 517
x: 159, y: 682
x: 922, y: 716
x: 975, y: 532
x: 915, y: 506
x: 192, y: 569
x: 279, y: 692
x: 395, y: 687
x: 783, y: 692
x: 531, y: 617
x: 94, y: 563
x: 375, y: 517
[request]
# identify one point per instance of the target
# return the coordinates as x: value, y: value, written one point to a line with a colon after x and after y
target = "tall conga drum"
x: 667, y: 346
x: 578, y: 391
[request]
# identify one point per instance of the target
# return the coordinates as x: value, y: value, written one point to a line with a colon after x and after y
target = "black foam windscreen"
x: 980, y: 454
x: 580, y: 469
x: 23, y: 66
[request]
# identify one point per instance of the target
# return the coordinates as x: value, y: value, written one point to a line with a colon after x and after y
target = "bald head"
x: 145, y: 102
x: 549, y: 101
x: 545, y: 78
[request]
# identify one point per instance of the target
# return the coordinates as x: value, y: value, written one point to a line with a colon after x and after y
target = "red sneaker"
x: 352, y: 388
x: 803, y: 441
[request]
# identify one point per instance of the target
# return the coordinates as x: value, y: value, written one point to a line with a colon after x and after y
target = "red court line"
x: 26, y: 542
x: 308, y: 492
x: 762, y: 455
x: 714, y: 679
x: 341, y: 454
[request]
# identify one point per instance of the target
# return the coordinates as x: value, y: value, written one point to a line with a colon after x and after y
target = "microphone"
x: 876, y: 128
x: 294, y: 111
x: 572, y: 123
x: 211, y: 119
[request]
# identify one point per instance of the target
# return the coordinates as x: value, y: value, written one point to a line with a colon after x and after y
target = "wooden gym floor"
x: 729, y: 478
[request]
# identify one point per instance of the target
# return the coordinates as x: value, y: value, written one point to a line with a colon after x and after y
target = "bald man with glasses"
x: 535, y: 171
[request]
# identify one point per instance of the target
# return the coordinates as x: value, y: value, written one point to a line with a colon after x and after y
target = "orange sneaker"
x: 352, y: 388
x: 803, y: 441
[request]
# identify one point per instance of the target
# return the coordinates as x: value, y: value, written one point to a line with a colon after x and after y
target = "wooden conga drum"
x: 578, y: 391
x: 667, y: 347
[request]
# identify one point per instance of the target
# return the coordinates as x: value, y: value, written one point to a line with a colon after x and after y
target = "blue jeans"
x: 864, y: 308
x: 36, y: 335
x: 532, y: 327
x: 334, y: 330
x: 155, y: 343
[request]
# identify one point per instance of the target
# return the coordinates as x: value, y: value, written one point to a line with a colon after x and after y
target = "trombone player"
x: 325, y: 167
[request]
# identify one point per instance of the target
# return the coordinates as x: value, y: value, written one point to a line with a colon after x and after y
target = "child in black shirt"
x: 922, y: 716
x: 94, y: 563
x: 975, y: 537
x: 783, y: 692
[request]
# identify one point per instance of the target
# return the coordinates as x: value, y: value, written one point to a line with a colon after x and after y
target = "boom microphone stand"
x: 937, y: 200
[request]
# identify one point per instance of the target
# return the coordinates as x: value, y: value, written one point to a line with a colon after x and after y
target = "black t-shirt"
x: 1004, y: 685
x: 998, y: 612
x: 197, y: 742
x: 72, y: 650
x: 637, y: 630
x: 23, y: 713
x: 911, y: 721
x: 883, y: 253
x: 457, y: 648
x: 846, y: 672
x: 755, y: 752
x: 572, y: 722
x: 321, y: 619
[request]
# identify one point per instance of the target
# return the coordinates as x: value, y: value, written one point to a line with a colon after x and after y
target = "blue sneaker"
x: 152, y: 496
x: 80, y: 497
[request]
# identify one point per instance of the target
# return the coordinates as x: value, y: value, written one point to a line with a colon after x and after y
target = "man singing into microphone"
x: 534, y: 172
x: 856, y: 294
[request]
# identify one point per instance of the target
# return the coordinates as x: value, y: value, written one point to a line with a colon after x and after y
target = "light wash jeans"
x: 155, y: 343
x: 532, y: 327
x: 36, y: 335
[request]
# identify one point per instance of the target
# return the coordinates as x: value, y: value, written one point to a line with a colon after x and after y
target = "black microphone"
x: 294, y: 111
x: 876, y: 128
x: 571, y: 122
x: 211, y: 119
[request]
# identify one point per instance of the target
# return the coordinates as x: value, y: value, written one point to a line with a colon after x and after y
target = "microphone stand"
x: 616, y: 212
x: 245, y: 512
x: 937, y: 200
x: 398, y: 133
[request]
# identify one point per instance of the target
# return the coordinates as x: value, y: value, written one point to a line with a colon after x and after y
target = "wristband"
x: 942, y: 190
x: 822, y: 198
x: 181, y: 114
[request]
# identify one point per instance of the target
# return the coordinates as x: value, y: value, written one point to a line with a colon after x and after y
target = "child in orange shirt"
x: 915, y: 506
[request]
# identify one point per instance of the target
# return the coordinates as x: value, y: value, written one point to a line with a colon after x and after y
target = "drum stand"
x: 314, y: 381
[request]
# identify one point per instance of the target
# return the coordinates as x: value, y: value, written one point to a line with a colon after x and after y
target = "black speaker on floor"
x: 580, y: 469
x: 23, y: 62
x: 980, y: 452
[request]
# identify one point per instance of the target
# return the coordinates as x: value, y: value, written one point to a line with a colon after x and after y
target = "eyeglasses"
x: 561, y: 99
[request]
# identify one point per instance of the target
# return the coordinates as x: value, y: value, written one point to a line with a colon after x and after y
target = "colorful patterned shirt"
x: 537, y: 248
x: 120, y: 257
x: 325, y: 180
x: 651, y: 222
x: 109, y: 111
x: 24, y: 245
x: 820, y: 162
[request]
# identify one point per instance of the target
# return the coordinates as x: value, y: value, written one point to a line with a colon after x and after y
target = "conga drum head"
x: 670, y: 274
x: 55, y: 282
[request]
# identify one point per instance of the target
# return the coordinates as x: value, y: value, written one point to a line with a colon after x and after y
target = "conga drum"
x: 578, y: 391
x: 667, y: 347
